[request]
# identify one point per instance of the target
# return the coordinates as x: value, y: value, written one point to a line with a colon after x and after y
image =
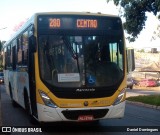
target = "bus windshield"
x: 76, y: 61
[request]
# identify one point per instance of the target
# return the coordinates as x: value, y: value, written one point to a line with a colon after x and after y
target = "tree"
x: 1, y: 55
x: 134, y: 13
x: 0, y: 46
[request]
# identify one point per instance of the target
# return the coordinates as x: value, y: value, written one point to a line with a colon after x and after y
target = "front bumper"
x: 48, y: 114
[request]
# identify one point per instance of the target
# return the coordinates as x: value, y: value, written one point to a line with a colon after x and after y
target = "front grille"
x: 74, y: 114
x: 72, y: 93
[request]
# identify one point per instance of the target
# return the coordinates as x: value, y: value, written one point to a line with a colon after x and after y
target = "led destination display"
x: 79, y: 22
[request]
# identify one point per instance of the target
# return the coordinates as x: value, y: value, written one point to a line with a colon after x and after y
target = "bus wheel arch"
x: 14, y: 103
x: 10, y: 91
x: 26, y: 101
x: 28, y: 107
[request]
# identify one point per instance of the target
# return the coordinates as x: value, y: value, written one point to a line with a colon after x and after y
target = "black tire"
x: 32, y: 120
x: 14, y: 103
x: 26, y: 102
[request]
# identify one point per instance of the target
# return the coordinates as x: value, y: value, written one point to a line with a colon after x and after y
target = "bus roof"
x: 34, y: 16
x: 22, y: 28
x: 74, y: 13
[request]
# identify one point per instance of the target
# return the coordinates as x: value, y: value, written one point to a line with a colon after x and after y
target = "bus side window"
x: 19, y: 51
x: 5, y: 58
x: 13, y: 54
x: 8, y: 56
x: 16, y: 51
x: 25, y: 49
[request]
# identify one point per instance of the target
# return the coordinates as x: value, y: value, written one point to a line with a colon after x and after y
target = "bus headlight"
x: 120, y: 97
x: 46, y: 99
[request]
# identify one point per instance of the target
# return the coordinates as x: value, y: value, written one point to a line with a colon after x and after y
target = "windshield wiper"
x: 71, y: 50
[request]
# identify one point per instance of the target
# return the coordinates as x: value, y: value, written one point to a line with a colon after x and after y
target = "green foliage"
x: 0, y: 46
x: 142, y: 50
x: 134, y: 14
x: 1, y: 67
x: 150, y: 99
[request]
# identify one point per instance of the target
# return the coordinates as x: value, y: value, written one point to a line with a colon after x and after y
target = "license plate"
x: 85, y: 118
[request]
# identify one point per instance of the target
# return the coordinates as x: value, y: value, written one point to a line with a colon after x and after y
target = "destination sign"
x: 54, y: 23
x: 78, y: 22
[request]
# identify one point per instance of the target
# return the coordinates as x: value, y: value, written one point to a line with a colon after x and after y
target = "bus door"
x: 31, y: 73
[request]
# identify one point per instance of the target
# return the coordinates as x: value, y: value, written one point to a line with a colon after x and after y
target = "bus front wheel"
x: 28, y: 110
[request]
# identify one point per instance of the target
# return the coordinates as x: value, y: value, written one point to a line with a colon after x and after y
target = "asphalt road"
x: 136, y: 118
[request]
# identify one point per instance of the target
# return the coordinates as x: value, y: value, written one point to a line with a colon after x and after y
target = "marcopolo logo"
x: 85, y: 90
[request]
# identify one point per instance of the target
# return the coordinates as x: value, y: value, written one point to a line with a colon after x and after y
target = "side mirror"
x: 32, y: 44
x: 130, y: 60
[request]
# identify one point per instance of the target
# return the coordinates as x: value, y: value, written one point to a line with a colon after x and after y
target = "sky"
x: 12, y: 12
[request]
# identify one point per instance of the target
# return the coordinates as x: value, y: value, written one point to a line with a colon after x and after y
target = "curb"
x: 144, y: 105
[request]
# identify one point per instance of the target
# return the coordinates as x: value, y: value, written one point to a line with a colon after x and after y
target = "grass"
x: 149, y: 99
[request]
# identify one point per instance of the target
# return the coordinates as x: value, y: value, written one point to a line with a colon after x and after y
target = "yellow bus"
x: 68, y: 67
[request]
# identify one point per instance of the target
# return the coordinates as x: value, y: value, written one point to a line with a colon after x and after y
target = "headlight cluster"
x: 120, y: 97
x: 46, y: 99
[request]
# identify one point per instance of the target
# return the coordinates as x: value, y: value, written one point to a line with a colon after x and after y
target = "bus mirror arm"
x: 32, y: 43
